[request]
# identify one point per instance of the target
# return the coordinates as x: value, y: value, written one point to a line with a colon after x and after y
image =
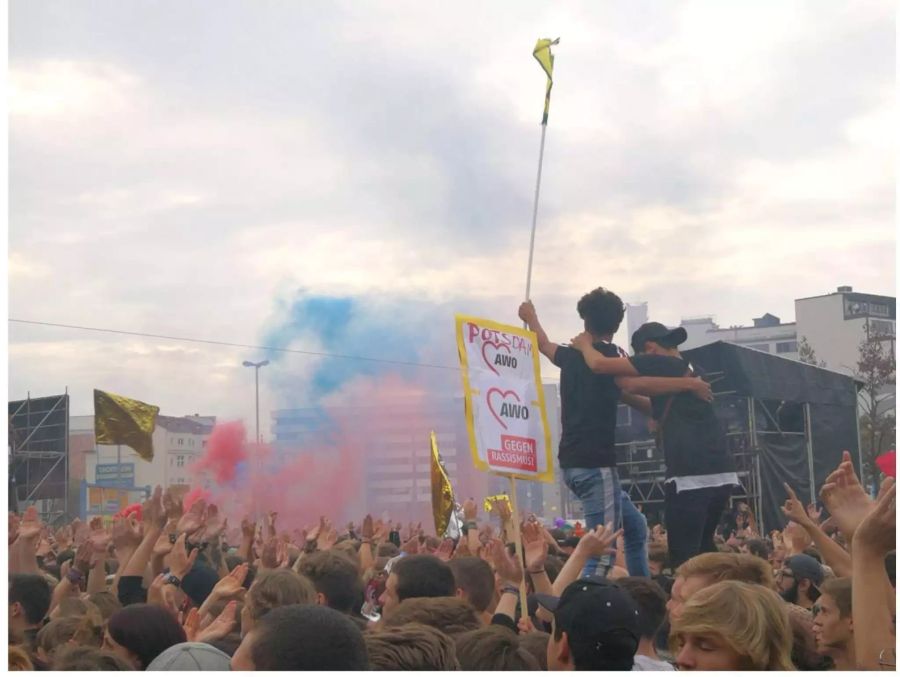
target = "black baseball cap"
x: 658, y: 333
x: 804, y: 566
x: 600, y: 619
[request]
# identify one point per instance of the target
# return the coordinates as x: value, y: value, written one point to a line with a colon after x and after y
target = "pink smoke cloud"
x: 327, y: 478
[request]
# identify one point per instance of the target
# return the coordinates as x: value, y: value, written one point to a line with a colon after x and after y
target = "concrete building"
x: 635, y: 316
x: 118, y: 476
x: 768, y: 334
x: 833, y: 324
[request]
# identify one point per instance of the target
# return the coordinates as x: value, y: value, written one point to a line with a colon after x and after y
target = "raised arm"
x: 528, y: 315
x: 873, y: 635
x: 594, y: 543
x: 833, y: 554
x: 600, y: 363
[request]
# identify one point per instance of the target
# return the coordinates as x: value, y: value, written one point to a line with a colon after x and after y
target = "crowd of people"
x: 165, y: 588
x: 169, y: 587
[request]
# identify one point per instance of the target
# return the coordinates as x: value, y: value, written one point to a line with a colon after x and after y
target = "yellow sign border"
x: 461, y: 321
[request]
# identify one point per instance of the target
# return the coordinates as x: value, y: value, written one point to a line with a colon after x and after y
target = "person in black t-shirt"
x: 700, y: 471
x: 589, y: 405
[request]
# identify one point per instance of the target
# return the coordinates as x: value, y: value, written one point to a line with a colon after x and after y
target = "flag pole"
x: 537, y: 194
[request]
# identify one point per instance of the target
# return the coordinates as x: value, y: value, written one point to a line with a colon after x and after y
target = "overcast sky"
x: 204, y: 169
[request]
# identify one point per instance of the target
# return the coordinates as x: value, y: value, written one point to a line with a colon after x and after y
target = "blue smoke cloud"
x: 382, y: 329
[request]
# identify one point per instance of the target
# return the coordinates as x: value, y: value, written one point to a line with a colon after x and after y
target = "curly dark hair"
x: 602, y: 311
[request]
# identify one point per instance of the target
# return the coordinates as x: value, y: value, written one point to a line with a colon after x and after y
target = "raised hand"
x: 99, y: 537
x: 328, y: 537
x: 527, y: 313
x: 793, y: 508
x: 411, y: 547
x: 173, y: 504
x: 536, y: 548
x: 598, y: 541
x: 504, y: 510
x: 814, y: 513
x: 271, y: 518
x: 180, y: 562
x: 84, y: 558
x: 876, y: 533
x: 161, y: 595
x: 507, y: 567
x: 164, y: 543
x: 845, y: 498
x: 220, y: 627
x: 13, y: 525
x: 368, y: 528
x: 470, y: 510
x: 192, y: 520
x: 31, y: 525
x: 232, y: 585
x: 215, y: 525
x: 445, y: 550
x: 153, y: 513
x: 248, y: 529
x: 126, y: 533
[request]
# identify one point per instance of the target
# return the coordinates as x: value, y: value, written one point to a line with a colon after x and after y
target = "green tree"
x: 876, y: 368
x: 807, y: 354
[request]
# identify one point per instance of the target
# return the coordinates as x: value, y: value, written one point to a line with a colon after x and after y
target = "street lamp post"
x: 256, y: 366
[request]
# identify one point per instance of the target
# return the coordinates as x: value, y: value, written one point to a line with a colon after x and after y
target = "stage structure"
x: 785, y: 421
x: 38, y: 455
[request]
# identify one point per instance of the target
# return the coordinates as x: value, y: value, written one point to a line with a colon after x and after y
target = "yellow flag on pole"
x: 121, y: 420
x: 545, y: 57
x: 441, y: 492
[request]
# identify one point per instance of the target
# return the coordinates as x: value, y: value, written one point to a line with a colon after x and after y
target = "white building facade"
x: 116, y: 474
x: 833, y: 324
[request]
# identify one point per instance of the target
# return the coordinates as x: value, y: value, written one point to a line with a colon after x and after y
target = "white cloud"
x: 62, y: 88
x: 707, y: 157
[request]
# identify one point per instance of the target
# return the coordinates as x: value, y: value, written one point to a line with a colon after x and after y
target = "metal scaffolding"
x: 38, y: 455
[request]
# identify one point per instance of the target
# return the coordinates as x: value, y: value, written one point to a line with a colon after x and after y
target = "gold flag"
x: 441, y: 491
x: 120, y: 420
x: 545, y: 57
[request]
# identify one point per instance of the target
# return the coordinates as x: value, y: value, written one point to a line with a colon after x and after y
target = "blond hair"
x: 751, y: 619
x: 413, y: 646
x: 19, y: 659
x: 275, y: 588
x: 727, y: 566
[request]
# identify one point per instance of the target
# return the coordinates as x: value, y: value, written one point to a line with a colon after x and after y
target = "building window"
x: 879, y: 309
x: 881, y: 328
x: 180, y: 461
x: 191, y: 441
x: 786, y: 347
x: 760, y: 346
x: 180, y: 441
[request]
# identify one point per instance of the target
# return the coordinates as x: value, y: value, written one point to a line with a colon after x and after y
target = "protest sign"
x: 505, y: 411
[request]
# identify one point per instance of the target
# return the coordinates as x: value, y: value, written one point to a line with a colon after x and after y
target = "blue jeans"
x: 635, y: 525
x: 600, y: 493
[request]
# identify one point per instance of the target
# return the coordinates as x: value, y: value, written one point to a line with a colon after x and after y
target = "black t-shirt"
x: 589, y: 406
x: 693, y: 438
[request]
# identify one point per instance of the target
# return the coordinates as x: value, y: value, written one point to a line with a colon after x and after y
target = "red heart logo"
x: 503, y: 395
x: 497, y: 345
